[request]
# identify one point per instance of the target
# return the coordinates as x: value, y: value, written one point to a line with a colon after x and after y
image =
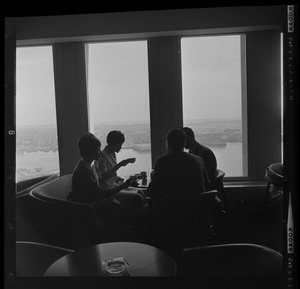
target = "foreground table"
x: 143, y: 260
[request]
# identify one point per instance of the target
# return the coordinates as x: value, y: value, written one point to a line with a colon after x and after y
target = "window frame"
x: 262, y: 39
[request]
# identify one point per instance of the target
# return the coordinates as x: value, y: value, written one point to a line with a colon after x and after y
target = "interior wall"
x: 264, y: 94
x: 94, y: 27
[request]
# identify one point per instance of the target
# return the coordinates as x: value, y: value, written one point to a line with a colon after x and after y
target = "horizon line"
x: 138, y: 121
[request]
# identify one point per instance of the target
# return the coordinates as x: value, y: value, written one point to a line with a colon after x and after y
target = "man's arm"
x: 155, y: 185
x: 106, y: 173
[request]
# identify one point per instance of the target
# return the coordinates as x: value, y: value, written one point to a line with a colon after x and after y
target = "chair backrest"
x: 59, y: 188
x: 25, y: 208
x: 232, y: 260
x: 220, y: 175
x: 274, y: 174
x: 33, y: 259
x: 63, y: 222
x: 182, y: 213
x: 24, y: 187
x: 56, y: 192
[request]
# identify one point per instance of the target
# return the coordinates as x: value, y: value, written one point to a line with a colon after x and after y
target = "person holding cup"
x: 87, y: 188
x: 107, y: 166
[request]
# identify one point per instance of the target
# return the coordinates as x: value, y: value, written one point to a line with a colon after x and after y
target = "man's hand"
x: 132, y: 181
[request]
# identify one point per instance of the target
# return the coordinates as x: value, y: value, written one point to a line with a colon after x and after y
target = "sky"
x: 118, y: 78
x: 35, y: 102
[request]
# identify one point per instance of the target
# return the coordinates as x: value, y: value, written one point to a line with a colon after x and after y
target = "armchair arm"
x: 64, y: 223
x: 24, y: 187
x: 70, y: 224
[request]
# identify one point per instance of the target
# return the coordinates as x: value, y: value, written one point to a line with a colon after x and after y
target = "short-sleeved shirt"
x: 104, y: 168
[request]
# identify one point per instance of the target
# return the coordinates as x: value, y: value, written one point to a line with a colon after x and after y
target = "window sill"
x: 243, y: 184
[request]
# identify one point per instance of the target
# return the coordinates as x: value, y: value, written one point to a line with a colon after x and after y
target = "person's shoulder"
x: 81, y: 168
x: 78, y: 166
x: 187, y: 155
x: 82, y: 165
x: 205, y: 148
x: 188, y: 158
x: 162, y: 159
x: 201, y: 146
x: 198, y: 158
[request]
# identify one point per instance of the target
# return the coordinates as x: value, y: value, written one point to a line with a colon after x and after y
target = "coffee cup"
x: 144, y: 175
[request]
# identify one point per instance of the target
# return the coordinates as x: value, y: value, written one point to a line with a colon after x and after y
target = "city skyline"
x: 211, y: 132
x: 137, y: 122
x: 37, y: 145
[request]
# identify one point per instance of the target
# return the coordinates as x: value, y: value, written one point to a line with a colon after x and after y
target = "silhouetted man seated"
x: 85, y: 181
x: 181, y: 175
x: 200, y: 150
x: 177, y: 173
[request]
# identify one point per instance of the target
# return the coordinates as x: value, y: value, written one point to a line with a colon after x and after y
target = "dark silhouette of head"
x: 175, y: 140
x: 88, y: 144
x: 115, y: 137
x: 190, y: 137
x: 115, y: 140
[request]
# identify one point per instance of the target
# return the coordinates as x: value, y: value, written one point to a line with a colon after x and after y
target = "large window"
x: 212, y: 80
x: 36, y: 132
x: 118, y: 97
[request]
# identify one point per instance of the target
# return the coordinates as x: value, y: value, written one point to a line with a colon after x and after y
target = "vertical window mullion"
x: 165, y: 89
x: 244, y: 107
x: 71, y: 101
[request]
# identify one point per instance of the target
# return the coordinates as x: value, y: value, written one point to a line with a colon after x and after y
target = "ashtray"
x: 115, y: 266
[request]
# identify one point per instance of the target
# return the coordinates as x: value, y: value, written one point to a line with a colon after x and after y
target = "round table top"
x: 143, y: 260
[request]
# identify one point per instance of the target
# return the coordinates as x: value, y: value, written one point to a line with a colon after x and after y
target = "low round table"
x: 143, y: 260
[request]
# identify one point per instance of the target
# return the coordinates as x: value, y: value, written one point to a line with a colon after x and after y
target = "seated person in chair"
x: 177, y: 173
x: 177, y: 178
x: 209, y: 158
x: 205, y: 152
x: 107, y: 165
x: 85, y: 181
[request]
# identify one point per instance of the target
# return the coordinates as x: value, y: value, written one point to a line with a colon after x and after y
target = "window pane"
x: 36, y: 131
x: 118, y: 92
x: 212, y: 97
